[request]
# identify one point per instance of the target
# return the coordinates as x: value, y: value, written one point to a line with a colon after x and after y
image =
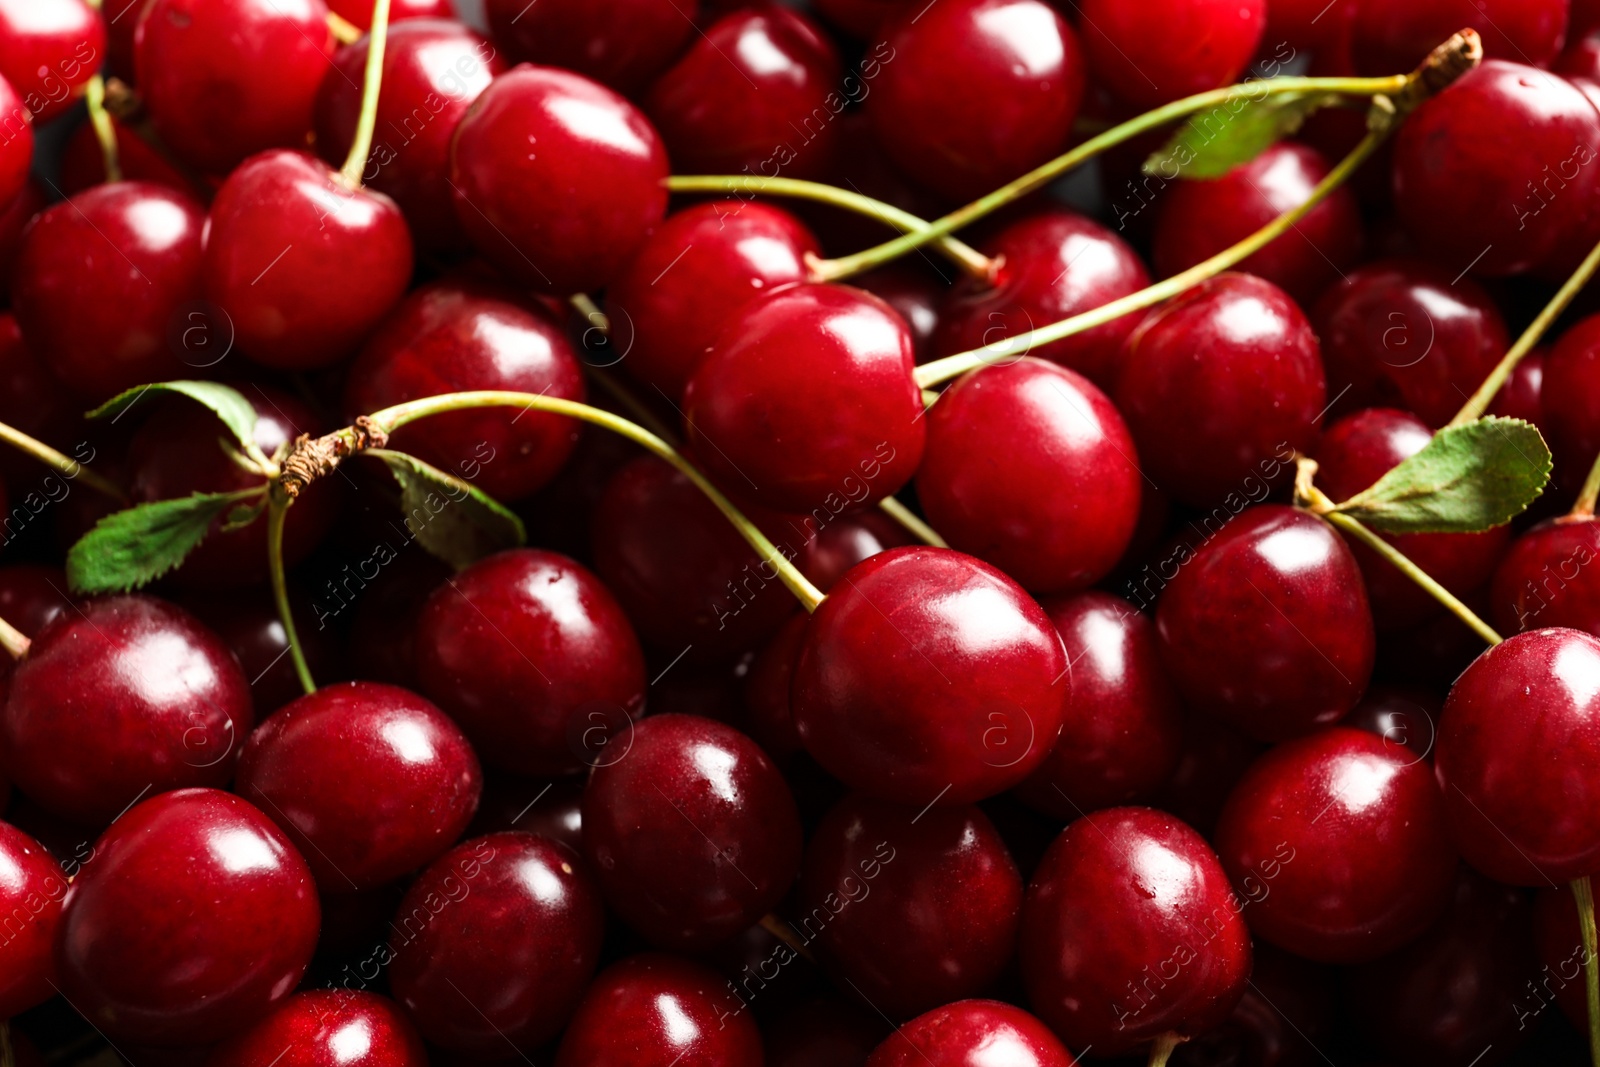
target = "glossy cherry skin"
x: 1152, y: 54
x: 847, y: 540
x: 909, y: 913
x: 32, y: 596
x: 1216, y: 383
x: 1125, y: 733
x: 226, y: 80
x: 102, y: 281
x: 806, y: 401
x: 566, y: 216
x: 151, y: 959
x: 52, y: 48
x: 1522, y: 395
x: 1406, y: 717
x: 128, y: 696
x: 32, y: 887
x: 359, y: 13
x: 1267, y: 625
x: 929, y: 675
x: 1391, y: 38
x: 433, y: 69
x: 1570, y: 398
x: 622, y: 44
x: 532, y: 805
x: 452, y: 336
x: 1518, y: 755
x: 1546, y: 578
x: 327, y: 1028
x: 658, y: 1009
x: 532, y: 655
x: 699, y: 267
x: 692, y: 833
x: 1130, y: 930
x: 16, y: 143
x: 973, y: 1033
x: 1022, y: 80
x: 1029, y: 467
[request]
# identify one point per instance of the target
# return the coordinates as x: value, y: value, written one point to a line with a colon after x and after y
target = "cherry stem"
x: 912, y: 522
x: 377, y: 41
x: 278, y: 505
x: 780, y: 929
x: 63, y: 463
x: 1583, y: 895
x: 1161, y: 1049
x: 8, y: 1055
x: 13, y: 640
x: 344, y: 31
x: 963, y: 255
x: 94, y: 95
x: 1589, y: 495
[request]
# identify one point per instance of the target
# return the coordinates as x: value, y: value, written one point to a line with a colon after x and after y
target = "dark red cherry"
x: 83, y: 164
x: 32, y: 887
x: 1049, y: 266
x: 1406, y: 717
x: 1559, y: 944
x: 359, y: 13
x: 16, y: 143
x: 492, y: 947
x: 1580, y: 59
x: 701, y: 266
x: 1570, y: 399
x: 1521, y: 396
x: 1285, y: 1018
x: 805, y: 401
x: 916, y: 292
x: 1267, y: 625
x: 531, y: 654
x: 622, y: 44
x: 1029, y: 467
x: 33, y: 595
x: 1022, y: 79
x: 14, y: 218
x: 861, y: 19
x: 327, y: 1028
x: 34, y: 402
x: 158, y: 960
x: 1519, y: 758
x: 1219, y: 386
x: 1125, y: 734
x: 824, y: 1031
x: 558, y: 181
x: 433, y: 69
x: 452, y: 336
x: 928, y: 675
x: 1521, y: 203
x: 692, y: 832
x: 127, y: 697
x: 1213, y: 758
x: 248, y: 621
x: 532, y: 805
x: 1546, y: 579
x: 846, y: 540
x: 225, y: 81
x: 766, y: 691
x: 1130, y: 931
x: 1152, y: 54
x: 103, y: 281
x: 877, y: 900
x: 973, y: 1033
x: 1394, y: 38
x: 52, y: 48
x: 653, y: 1008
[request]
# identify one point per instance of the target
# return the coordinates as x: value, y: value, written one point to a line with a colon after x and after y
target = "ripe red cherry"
x: 557, y: 180
x: 1029, y: 467
x: 128, y: 697
x: 532, y: 805
x: 1284, y: 1018
x: 227, y: 80
x: 653, y: 1008
x: 916, y: 292
x: 14, y: 217
x: 83, y: 163
x: 1394, y: 38
x: 1267, y: 625
x: 461, y: 335
x: 622, y: 44
x: 359, y: 13
x: 691, y: 832
x: 529, y: 652
x: 1218, y: 386
x: 1406, y: 717
x: 1559, y: 944
x: 1521, y: 396
x: 806, y: 402
x: 433, y: 69
x: 1570, y: 398
x: 16, y: 143
x: 32, y: 596
x: 248, y: 622
x: 876, y: 899
x: 1022, y: 79
x: 973, y: 1033
x: 1519, y: 758
x: 1130, y: 931
x: 1546, y: 578
x: 766, y: 691
x: 151, y: 959
x: 861, y: 19
x: 846, y: 541
x: 703, y: 264
x: 1125, y: 736
x: 52, y: 48
x: 927, y: 675
x: 1150, y: 55
x: 31, y: 890
x: 327, y: 1028
x: 102, y: 281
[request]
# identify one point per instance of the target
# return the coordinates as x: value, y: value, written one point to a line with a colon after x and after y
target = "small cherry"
x: 973, y: 1033
x: 766, y: 691
x: 1570, y: 400
x: 1213, y: 758
x: 50, y: 50
x: 248, y: 621
x: 327, y: 1028
x: 14, y: 218
x: 1546, y: 578
x: 1522, y: 397
x: 34, y: 402
x: 847, y: 540
x: 533, y: 806
x: 1559, y: 944
x: 1388, y: 38
x: 622, y: 44
x: 1155, y: 53
x: 32, y: 887
x: 916, y: 292
x: 16, y: 143
x: 1406, y: 717
x: 32, y: 596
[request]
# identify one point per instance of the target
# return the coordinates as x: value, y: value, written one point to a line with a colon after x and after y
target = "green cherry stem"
x: 63, y: 463
x: 278, y: 504
x: 94, y: 95
x: 1583, y: 895
x: 355, y: 164
x: 912, y: 522
x: 13, y: 640
x: 1589, y: 495
x: 1162, y: 1048
x: 344, y: 31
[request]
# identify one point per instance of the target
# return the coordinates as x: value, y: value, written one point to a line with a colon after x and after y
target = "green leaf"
x: 451, y: 518
x: 1212, y: 143
x: 244, y: 514
x: 132, y: 548
x: 1468, y: 478
x: 229, y: 405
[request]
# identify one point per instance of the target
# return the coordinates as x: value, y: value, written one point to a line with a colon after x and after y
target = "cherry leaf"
x: 130, y: 549
x: 449, y: 517
x: 228, y: 404
x: 1212, y: 143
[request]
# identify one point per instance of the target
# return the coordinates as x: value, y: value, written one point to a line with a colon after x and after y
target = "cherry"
x: 461, y: 335
x: 1283, y: 1019
x: 1309, y: 24
x: 103, y: 281
x: 861, y: 19
x: 127, y: 696
x: 1393, y: 38
x: 875, y: 898
x: 1128, y: 739
x: 16, y: 143
x: 825, y: 1031
x: 1559, y: 946
x: 83, y: 162
x: 359, y: 13
x: 701, y: 266
x: 916, y: 293
x: 532, y: 805
x: 1519, y: 754
x: 327, y: 1028
x: 805, y: 402
x: 570, y: 214
x: 223, y: 81
x: 433, y: 69
x: 757, y: 93
x: 1189, y: 45
x: 1570, y: 400
x: 1029, y: 467
x: 1218, y: 386
x: 653, y: 1008
x: 1405, y: 717
x: 31, y: 891
x: 14, y: 218
x: 248, y: 622
x: 691, y: 831
x: 158, y: 960
x: 34, y: 402
x: 622, y: 44
x: 973, y: 1033
x: 766, y: 691
x: 52, y: 48
x: 1022, y: 79
x: 1267, y: 625
x: 492, y: 947
x: 32, y: 596
x: 1130, y: 931
x: 1546, y: 578
x: 1521, y: 396
x: 535, y: 659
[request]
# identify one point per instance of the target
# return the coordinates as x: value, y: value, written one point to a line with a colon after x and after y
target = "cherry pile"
x: 657, y: 533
